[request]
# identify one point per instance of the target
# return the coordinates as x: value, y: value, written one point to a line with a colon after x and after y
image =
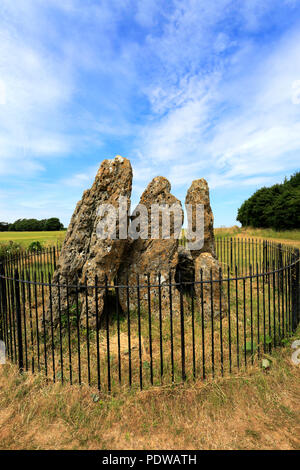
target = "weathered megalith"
x: 152, y: 256
x: 185, y: 271
x: 206, y: 265
x: 84, y: 255
x: 198, y: 193
x: 148, y: 253
x: 209, y: 295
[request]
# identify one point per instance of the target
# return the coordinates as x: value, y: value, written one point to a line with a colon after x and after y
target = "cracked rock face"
x: 152, y: 256
x: 209, y: 296
x: 84, y: 255
x: 185, y: 271
x: 149, y: 254
x: 198, y: 193
x: 206, y: 265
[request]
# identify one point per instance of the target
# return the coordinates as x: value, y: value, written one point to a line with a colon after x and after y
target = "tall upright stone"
x: 198, y: 193
x: 208, y: 287
x: 153, y: 256
x: 84, y: 255
x: 209, y: 294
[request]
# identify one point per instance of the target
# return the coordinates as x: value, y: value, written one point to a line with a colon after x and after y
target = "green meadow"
x: 51, y: 238
x: 26, y: 238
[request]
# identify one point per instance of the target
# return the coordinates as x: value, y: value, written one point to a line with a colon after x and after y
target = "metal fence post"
x: 265, y: 255
x: 295, y: 290
x: 3, y: 326
x: 1, y: 309
x: 19, y: 321
x: 182, y: 333
x: 297, y: 286
x: 280, y: 266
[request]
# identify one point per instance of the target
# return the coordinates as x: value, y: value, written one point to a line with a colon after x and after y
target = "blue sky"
x: 184, y: 89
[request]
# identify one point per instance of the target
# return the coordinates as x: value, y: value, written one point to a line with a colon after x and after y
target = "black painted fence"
x: 137, y: 346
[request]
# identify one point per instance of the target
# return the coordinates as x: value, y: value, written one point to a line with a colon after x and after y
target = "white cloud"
x: 40, y: 73
x: 296, y: 92
x: 81, y: 180
x: 37, y: 86
x: 2, y: 92
x: 263, y: 134
x: 234, y: 122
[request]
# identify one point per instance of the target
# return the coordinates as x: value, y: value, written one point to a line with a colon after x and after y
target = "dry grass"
x: 256, y: 410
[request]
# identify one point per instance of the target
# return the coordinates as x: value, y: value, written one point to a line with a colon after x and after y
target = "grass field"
x: 51, y: 238
x: 25, y: 238
x: 285, y: 236
x: 293, y: 235
x: 257, y: 410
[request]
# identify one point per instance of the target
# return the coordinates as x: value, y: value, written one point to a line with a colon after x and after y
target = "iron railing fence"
x: 240, y: 253
x: 155, y: 331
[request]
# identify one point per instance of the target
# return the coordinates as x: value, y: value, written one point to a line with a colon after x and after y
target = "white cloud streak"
x: 224, y: 124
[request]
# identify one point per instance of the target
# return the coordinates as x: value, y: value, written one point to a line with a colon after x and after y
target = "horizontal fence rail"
x: 155, y: 331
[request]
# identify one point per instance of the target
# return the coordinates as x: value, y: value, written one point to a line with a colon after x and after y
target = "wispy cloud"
x: 233, y: 118
x: 80, y: 180
x: 37, y: 85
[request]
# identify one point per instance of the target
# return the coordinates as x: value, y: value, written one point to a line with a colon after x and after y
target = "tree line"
x: 32, y: 225
x: 276, y: 207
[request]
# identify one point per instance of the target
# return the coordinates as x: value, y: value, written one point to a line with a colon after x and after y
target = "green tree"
x: 53, y: 224
x: 4, y: 226
x: 276, y: 207
x: 34, y: 225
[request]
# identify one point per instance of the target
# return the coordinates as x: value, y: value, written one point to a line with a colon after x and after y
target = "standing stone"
x: 209, y: 266
x: 205, y: 260
x: 84, y: 255
x: 185, y: 271
x: 198, y: 193
x: 152, y: 256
